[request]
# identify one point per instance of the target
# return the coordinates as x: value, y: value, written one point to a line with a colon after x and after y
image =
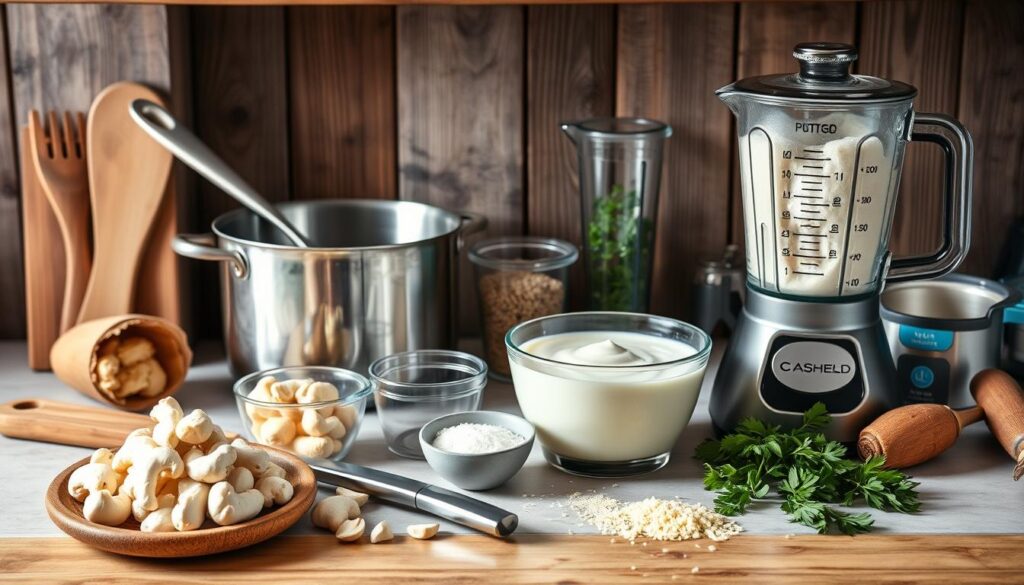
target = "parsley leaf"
x: 809, y: 472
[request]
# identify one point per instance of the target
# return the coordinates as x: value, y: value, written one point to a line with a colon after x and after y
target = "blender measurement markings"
x: 809, y: 273
x: 809, y: 175
x: 808, y: 256
x: 811, y: 235
x: 813, y: 150
x: 808, y: 196
x: 811, y: 158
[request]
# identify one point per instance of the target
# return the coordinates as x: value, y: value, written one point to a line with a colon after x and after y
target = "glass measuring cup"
x: 620, y: 172
x: 820, y: 158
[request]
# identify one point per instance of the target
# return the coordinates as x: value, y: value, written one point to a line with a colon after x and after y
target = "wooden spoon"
x: 128, y: 175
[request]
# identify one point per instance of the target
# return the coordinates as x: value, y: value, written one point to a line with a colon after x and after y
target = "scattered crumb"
x: 788, y: 536
x: 644, y: 575
x: 632, y: 543
x: 696, y: 545
x: 613, y: 541
x: 632, y: 567
x: 712, y: 548
x: 695, y: 570
x: 643, y: 544
x: 615, y: 485
x: 664, y: 550
x: 652, y: 518
x: 675, y: 577
x: 571, y: 533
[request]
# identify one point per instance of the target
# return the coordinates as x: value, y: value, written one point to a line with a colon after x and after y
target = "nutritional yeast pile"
x: 652, y: 518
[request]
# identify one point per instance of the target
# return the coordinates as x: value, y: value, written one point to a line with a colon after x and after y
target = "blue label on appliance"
x: 925, y: 339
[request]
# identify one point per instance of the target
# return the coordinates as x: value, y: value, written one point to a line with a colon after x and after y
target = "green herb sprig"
x: 809, y: 472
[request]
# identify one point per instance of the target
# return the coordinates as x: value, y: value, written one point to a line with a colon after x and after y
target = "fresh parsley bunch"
x: 809, y: 472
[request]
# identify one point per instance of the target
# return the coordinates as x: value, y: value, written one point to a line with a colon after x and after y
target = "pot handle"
x: 471, y: 224
x: 204, y: 247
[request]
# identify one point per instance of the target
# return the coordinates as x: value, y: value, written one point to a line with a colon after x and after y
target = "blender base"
x: 785, y: 355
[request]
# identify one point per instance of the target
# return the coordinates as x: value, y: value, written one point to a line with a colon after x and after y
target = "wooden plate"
x: 126, y: 539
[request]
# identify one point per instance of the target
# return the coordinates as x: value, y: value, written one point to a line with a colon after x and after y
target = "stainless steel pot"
x: 944, y: 331
x: 380, y: 278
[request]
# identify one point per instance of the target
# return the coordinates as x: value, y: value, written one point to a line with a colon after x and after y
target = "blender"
x: 820, y: 155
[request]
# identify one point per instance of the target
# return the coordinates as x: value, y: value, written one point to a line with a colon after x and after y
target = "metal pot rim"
x: 224, y: 217
x: 992, y: 317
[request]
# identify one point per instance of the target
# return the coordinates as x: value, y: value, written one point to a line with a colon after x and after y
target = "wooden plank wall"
x: 459, y: 106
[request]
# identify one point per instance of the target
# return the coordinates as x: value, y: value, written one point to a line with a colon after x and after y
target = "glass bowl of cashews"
x: 312, y: 411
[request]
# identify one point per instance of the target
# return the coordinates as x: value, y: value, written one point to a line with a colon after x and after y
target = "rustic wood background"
x: 459, y: 107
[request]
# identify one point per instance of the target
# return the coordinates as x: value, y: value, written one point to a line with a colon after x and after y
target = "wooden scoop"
x: 916, y: 433
x: 128, y: 174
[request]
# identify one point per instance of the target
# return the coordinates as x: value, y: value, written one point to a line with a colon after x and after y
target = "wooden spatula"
x: 58, y: 152
x: 128, y: 175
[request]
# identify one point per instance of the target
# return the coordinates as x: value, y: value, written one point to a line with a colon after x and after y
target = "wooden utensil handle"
x: 1003, y: 401
x: 914, y: 434
x: 38, y: 419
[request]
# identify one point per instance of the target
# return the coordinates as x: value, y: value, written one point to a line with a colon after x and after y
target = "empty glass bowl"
x: 410, y: 389
x: 294, y: 426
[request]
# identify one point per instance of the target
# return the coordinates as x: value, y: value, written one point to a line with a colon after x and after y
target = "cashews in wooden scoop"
x: 178, y: 475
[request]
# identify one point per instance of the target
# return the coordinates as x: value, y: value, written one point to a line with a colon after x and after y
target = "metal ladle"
x: 189, y: 149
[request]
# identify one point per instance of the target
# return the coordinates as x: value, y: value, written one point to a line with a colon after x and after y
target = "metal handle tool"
x: 421, y: 496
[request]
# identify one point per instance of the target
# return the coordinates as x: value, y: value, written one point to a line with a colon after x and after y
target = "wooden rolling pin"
x: 1003, y: 401
x: 916, y: 433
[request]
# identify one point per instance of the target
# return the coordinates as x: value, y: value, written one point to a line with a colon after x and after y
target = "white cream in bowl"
x: 607, y: 396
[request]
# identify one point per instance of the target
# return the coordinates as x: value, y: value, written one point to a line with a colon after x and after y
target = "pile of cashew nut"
x: 341, y: 514
x: 306, y: 431
x: 177, y: 474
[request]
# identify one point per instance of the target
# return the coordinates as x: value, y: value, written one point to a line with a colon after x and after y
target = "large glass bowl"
x: 607, y: 420
x: 349, y: 408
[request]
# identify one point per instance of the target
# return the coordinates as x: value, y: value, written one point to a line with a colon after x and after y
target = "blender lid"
x: 824, y: 76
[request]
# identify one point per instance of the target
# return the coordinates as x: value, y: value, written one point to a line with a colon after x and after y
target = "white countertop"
x: 967, y: 490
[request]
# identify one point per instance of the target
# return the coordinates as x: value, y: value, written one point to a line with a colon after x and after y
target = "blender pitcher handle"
x: 958, y: 154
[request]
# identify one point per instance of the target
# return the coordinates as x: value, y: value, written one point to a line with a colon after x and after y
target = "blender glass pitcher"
x: 820, y: 158
x: 619, y: 170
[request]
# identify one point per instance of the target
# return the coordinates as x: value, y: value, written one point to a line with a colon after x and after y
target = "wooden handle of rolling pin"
x: 915, y: 433
x: 38, y: 419
x: 1003, y: 401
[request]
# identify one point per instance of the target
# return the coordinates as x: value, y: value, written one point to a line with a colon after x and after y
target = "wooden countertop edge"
x: 371, y: 2
x: 921, y: 558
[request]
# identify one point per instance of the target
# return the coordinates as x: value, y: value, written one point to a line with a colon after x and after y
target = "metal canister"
x: 718, y: 288
x: 944, y: 331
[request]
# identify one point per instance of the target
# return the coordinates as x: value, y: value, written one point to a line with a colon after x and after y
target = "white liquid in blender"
x: 815, y: 215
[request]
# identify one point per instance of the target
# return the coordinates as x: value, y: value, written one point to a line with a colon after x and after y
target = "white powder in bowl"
x: 474, y: 439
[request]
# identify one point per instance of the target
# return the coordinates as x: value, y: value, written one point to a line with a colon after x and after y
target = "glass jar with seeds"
x: 518, y: 278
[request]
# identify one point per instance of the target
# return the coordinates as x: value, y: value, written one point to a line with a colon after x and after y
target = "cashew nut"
x: 217, y: 438
x: 351, y: 530
x: 285, y: 391
x: 315, y: 425
x: 275, y: 491
x: 347, y: 414
x: 226, y: 506
x: 317, y: 392
x: 273, y: 470
x: 102, y: 455
x: 330, y: 512
x: 422, y: 531
x: 145, y: 472
x: 277, y: 430
x: 213, y: 467
x: 102, y: 507
x: 261, y: 393
x: 195, y: 428
x: 313, y: 447
x: 134, y: 445
x: 381, y: 532
x: 166, y: 413
x: 92, y: 477
x: 359, y: 497
x: 159, y: 520
x: 252, y: 458
x: 190, y: 511
x: 164, y: 500
x: 241, y: 479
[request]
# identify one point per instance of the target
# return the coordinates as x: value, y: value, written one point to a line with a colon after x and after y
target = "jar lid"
x: 824, y: 76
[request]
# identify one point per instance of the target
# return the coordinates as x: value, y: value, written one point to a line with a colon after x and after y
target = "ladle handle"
x: 165, y: 129
x: 958, y: 155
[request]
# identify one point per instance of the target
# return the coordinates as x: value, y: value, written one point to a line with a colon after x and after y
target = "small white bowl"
x: 477, y: 471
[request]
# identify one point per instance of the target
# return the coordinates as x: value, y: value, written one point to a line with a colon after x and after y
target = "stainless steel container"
x: 944, y: 331
x: 381, y: 278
